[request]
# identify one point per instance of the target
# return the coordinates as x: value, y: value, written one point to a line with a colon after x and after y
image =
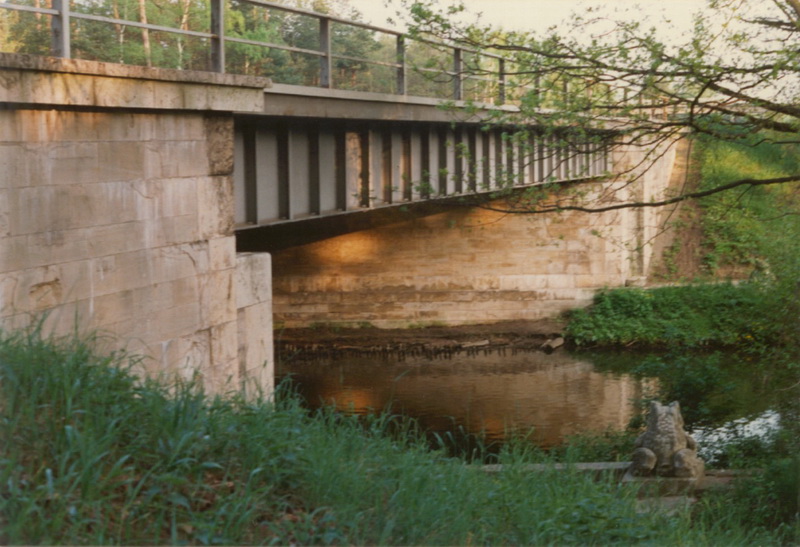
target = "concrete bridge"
x: 142, y: 202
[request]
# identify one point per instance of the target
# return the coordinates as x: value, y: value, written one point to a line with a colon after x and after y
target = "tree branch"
x: 639, y: 204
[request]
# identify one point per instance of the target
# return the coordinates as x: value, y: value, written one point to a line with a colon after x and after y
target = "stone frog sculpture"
x: 665, y: 449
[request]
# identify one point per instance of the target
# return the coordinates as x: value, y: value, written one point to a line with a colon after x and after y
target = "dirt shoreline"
x: 529, y: 335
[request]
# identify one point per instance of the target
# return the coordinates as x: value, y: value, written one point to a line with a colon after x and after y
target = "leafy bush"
x: 692, y: 315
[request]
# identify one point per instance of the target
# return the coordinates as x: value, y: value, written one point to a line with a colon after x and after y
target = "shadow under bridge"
x: 315, y: 166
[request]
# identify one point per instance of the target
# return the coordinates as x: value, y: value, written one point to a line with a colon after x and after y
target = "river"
x: 548, y: 397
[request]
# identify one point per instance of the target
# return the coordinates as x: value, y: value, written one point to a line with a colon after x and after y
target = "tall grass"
x: 91, y: 454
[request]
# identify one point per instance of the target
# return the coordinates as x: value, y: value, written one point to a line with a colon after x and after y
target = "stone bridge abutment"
x: 472, y: 265
x: 116, y: 215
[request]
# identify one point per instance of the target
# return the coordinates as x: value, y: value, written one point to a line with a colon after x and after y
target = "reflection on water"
x: 712, y: 440
x: 492, y: 393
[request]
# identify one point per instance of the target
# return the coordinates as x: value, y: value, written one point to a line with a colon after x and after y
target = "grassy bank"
x: 755, y: 229
x: 694, y: 315
x: 93, y: 455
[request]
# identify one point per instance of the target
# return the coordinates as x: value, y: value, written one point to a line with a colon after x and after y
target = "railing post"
x: 401, y: 62
x: 326, y: 62
x: 218, y: 40
x: 501, y: 82
x: 458, y: 69
x: 60, y: 31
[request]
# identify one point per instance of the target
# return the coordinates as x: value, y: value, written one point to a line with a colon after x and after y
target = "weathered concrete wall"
x: 116, y: 213
x: 472, y: 266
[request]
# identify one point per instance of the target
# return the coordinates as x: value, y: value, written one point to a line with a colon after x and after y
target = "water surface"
x: 489, y: 393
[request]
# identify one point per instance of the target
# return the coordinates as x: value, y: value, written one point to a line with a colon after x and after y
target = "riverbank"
x: 132, y: 461
x: 332, y: 340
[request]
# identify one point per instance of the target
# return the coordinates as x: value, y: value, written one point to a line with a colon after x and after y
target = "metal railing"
x: 235, y: 37
x: 220, y: 36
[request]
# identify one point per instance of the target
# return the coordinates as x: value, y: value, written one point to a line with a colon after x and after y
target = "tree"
x: 734, y: 78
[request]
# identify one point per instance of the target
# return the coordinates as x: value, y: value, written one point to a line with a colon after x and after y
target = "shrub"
x: 693, y: 315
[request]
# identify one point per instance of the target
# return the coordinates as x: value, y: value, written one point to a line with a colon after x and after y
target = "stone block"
x: 49, y: 88
x: 217, y: 297
x: 588, y: 281
x: 5, y: 220
x: 9, y: 306
x: 46, y: 127
x: 10, y: 128
x: 219, y: 135
x: 178, y: 261
x: 235, y: 99
x: 144, y: 316
x: 36, y: 289
x: 322, y: 283
x: 127, y: 127
x: 172, y: 322
x: 116, y: 238
x: 164, y: 198
x: 256, y: 345
x: 222, y: 378
x: 54, y: 208
x: 523, y: 282
x: 14, y: 164
x: 123, y: 271
x: 225, y: 349
x: 73, y: 163
x: 222, y: 253
x: 178, y: 292
x: 435, y: 283
x: 53, y: 247
x: 171, y: 159
x: 215, y: 207
x: 175, y: 230
x: 119, y: 161
x: 114, y: 307
x: 30, y: 79
x: 178, y: 126
x: 186, y: 356
x: 197, y: 97
x: 392, y: 282
x: 253, y: 279
x: 66, y: 319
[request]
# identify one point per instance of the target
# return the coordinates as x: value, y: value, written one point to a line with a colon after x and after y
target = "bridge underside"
x: 283, y: 235
x: 300, y: 179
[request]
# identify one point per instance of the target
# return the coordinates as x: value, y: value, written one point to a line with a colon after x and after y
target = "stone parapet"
x: 35, y: 80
